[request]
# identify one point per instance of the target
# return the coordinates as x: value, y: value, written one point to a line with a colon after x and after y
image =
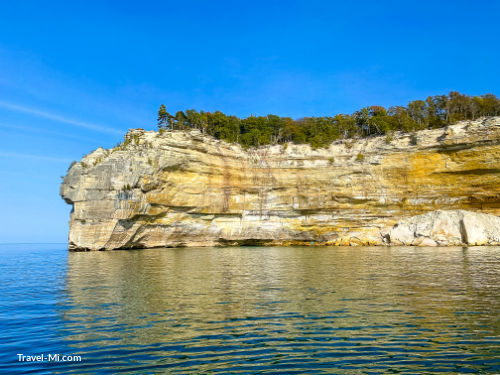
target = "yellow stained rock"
x: 189, y: 189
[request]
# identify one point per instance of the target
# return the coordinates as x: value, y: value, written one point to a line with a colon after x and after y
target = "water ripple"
x: 252, y: 310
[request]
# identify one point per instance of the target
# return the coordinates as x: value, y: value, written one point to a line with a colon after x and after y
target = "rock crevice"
x: 182, y: 188
x: 446, y: 228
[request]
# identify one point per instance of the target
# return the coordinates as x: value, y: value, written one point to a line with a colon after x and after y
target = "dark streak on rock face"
x: 187, y: 189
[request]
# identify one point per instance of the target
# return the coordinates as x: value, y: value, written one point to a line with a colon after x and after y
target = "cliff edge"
x: 182, y: 188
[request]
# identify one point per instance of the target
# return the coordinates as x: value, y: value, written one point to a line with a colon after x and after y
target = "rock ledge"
x: 183, y: 188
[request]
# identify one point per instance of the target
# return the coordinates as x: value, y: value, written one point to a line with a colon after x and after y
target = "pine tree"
x: 163, y: 117
x: 435, y: 112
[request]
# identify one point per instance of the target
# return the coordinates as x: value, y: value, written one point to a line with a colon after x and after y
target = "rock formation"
x: 187, y: 189
x: 446, y: 228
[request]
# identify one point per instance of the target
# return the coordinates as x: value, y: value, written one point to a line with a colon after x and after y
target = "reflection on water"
x: 278, y: 310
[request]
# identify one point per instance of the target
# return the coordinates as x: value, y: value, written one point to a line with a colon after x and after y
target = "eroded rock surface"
x: 447, y: 228
x: 187, y: 189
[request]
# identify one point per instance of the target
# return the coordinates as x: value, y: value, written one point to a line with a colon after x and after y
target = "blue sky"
x: 75, y: 75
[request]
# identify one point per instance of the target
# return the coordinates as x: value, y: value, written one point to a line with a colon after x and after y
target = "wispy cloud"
x: 43, y: 132
x: 59, y: 118
x: 19, y: 155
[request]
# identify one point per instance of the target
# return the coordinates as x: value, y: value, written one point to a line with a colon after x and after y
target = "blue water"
x: 251, y: 310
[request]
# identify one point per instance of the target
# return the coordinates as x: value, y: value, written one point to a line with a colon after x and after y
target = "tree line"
x: 434, y: 112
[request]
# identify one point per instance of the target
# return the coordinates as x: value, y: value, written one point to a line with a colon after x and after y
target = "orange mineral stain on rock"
x: 187, y: 189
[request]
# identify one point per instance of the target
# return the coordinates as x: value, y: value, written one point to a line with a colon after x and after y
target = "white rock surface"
x: 183, y: 188
x: 447, y: 228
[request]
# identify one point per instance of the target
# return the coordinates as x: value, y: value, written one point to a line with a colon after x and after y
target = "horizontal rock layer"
x: 186, y: 189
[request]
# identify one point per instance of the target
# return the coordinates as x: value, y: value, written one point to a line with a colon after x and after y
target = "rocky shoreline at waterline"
x: 183, y: 188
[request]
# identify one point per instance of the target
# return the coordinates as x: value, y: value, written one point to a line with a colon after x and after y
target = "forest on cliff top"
x: 434, y: 112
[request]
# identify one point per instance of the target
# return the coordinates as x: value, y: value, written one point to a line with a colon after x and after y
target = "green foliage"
x: 98, y: 160
x: 84, y: 165
x: 360, y: 157
x: 163, y: 118
x: 389, y: 137
x: 434, y: 112
x: 137, y: 139
x: 413, y: 139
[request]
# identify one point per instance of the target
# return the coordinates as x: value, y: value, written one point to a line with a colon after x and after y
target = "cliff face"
x: 186, y: 189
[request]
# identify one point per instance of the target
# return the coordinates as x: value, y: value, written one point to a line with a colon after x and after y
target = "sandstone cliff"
x: 446, y: 228
x: 187, y: 189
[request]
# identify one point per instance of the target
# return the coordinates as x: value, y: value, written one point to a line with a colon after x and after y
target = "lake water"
x: 251, y: 310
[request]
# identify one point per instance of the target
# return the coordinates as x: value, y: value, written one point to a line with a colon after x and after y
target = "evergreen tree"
x: 180, y: 120
x: 435, y: 112
x: 163, y: 117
